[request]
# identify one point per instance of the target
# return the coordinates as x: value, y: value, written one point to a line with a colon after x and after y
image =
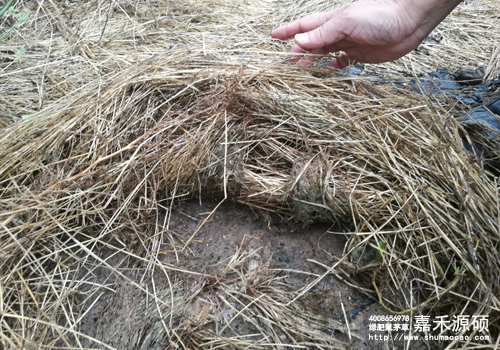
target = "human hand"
x: 365, y: 31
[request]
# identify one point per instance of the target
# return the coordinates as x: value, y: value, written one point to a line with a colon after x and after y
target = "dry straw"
x: 214, y: 116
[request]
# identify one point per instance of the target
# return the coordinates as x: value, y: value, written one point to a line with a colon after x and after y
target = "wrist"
x: 424, y: 15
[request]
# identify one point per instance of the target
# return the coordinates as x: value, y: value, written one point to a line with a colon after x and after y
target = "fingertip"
x: 296, y: 53
x: 344, y: 59
x: 280, y: 33
x: 341, y: 61
x: 297, y: 49
x: 275, y: 33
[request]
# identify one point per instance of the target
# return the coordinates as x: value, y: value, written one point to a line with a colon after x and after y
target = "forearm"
x: 426, y: 14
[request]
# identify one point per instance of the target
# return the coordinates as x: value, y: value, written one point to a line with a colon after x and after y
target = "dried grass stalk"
x: 307, y: 144
x: 115, y: 128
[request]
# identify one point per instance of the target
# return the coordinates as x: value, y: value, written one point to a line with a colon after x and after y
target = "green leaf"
x: 24, y: 15
x: 20, y: 51
x: 382, y: 246
x: 12, y: 11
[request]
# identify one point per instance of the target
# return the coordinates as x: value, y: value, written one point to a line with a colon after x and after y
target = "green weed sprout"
x: 382, y: 246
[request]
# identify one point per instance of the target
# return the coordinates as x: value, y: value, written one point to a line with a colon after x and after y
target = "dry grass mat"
x: 307, y: 144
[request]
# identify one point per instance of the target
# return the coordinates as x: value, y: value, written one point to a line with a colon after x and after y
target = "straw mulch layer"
x: 307, y: 144
x: 102, y: 130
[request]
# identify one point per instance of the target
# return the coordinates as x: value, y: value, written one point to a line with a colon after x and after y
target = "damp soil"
x: 119, y: 315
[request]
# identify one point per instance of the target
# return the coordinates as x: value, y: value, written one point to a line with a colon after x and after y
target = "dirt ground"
x: 117, y: 317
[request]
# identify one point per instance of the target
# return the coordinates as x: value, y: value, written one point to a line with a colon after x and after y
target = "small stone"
x: 253, y: 265
x: 471, y: 77
x: 494, y: 106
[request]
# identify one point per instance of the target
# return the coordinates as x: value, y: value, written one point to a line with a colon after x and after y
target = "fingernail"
x: 301, y: 37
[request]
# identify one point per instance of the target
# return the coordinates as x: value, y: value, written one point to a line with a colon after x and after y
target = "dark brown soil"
x: 123, y: 319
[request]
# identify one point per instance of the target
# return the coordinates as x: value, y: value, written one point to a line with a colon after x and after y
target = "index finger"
x: 305, y: 24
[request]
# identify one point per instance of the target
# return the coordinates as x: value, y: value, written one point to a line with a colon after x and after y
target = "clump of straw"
x: 307, y: 144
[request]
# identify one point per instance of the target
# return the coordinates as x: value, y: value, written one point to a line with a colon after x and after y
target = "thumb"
x: 327, y: 34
